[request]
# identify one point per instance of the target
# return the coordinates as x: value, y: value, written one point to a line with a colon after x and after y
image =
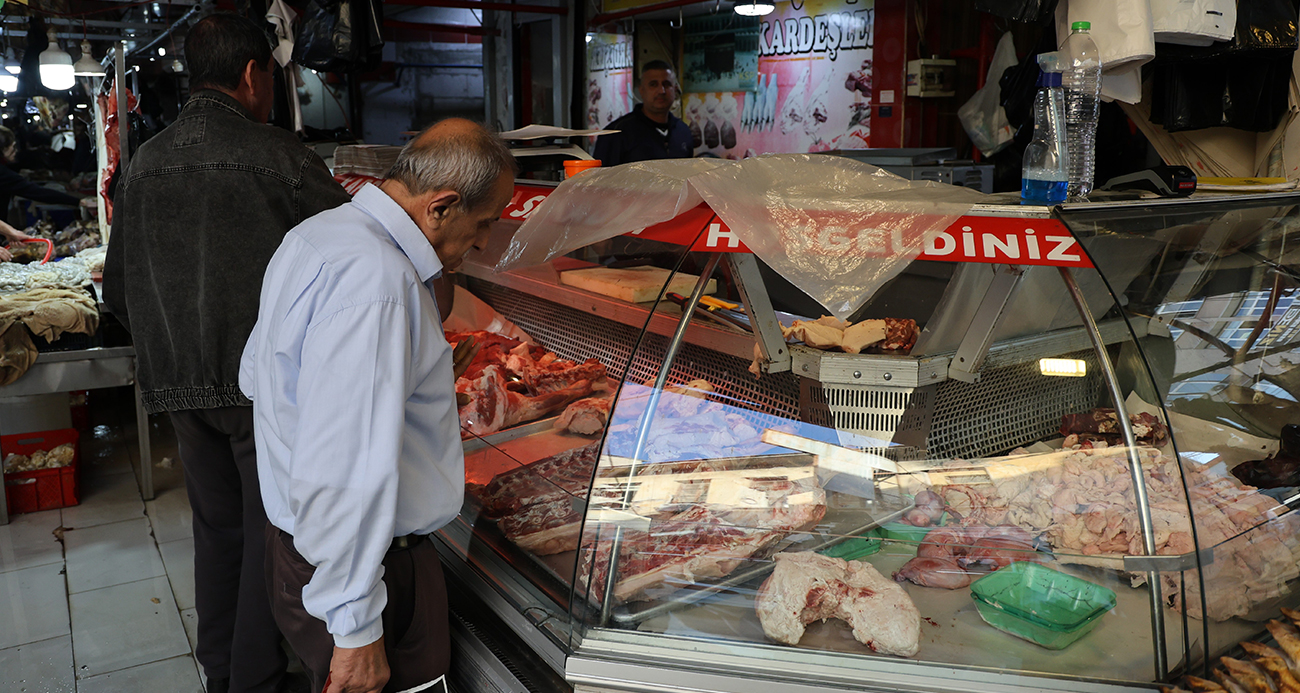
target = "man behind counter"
x: 358, y: 439
x: 200, y: 212
x: 650, y: 131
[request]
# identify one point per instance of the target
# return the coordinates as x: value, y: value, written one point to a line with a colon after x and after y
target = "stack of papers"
x: 372, y: 160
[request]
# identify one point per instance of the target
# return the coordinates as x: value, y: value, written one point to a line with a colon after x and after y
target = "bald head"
x: 454, y: 155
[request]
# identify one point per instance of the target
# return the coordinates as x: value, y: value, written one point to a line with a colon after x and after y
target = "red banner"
x: 1004, y: 240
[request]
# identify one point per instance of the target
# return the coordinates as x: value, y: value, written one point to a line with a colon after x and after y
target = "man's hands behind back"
x: 358, y: 669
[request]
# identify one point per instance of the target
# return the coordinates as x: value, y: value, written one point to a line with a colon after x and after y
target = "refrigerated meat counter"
x: 1074, y: 474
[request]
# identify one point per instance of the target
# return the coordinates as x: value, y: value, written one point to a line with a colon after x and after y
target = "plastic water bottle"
x: 1082, y: 80
x: 1045, y: 174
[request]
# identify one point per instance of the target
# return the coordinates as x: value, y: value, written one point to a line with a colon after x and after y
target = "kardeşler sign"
x: 811, y: 93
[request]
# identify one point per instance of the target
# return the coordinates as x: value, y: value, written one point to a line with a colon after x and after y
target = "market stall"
x: 50, y: 332
x: 1037, y: 485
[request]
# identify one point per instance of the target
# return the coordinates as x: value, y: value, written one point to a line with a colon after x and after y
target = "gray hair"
x: 469, y: 164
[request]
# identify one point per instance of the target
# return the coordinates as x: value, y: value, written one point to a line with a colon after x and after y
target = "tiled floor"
x: 110, y: 608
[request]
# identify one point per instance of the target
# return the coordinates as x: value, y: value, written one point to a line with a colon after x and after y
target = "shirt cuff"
x: 361, y: 638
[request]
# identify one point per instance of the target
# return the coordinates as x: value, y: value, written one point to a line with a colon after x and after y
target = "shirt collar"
x: 403, y: 230
x: 220, y: 99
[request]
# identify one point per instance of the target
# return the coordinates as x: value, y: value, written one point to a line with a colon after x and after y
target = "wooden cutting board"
x: 632, y: 284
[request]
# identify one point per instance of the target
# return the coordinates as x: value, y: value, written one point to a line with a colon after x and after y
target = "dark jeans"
x: 238, y: 638
x: 417, y: 639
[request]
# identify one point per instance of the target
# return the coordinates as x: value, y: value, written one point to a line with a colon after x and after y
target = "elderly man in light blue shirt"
x: 358, y: 440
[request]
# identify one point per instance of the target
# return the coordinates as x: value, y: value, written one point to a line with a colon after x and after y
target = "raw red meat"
x: 900, y: 335
x: 488, y: 400
x: 929, y: 571
x: 563, y: 476
x: 701, y: 542
x: 1103, y: 424
x: 545, y: 528
x: 552, y: 379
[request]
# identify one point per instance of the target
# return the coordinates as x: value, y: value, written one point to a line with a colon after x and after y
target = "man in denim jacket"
x: 197, y: 217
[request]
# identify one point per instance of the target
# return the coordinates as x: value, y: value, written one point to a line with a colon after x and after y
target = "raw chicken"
x: 585, y: 417
x: 862, y: 335
x: 1250, y: 677
x: 806, y: 587
x: 814, y: 334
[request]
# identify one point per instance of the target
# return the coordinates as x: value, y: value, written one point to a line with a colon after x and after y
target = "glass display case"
x: 1061, y: 456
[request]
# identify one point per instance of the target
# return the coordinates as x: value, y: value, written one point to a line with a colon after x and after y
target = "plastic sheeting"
x: 836, y: 228
x: 603, y: 203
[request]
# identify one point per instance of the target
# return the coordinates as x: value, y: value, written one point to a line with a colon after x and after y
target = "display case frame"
x: 611, y: 658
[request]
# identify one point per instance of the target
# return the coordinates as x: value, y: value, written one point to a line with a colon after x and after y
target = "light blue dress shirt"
x: 358, y: 440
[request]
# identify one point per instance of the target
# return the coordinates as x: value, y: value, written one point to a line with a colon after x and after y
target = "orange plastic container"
x: 574, y: 167
x: 41, y: 489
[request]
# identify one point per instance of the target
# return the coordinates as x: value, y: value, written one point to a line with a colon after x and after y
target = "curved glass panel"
x: 1212, y: 295
x: 876, y: 506
x: 534, y: 403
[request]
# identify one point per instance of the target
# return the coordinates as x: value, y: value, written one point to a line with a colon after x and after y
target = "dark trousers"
x: 417, y: 639
x: 238, y: 638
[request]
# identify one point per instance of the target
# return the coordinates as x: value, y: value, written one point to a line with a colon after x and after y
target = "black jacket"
x: 640, y: 139
x: 203, y: 207
x: 13, y: 185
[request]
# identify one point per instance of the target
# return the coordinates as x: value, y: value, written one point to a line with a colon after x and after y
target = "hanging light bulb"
x: 8, y: 83
x: 177, y: 65
x: 11, y: 63
x: 754, y: 8
x: 86, y: 65
x: 56, y: 66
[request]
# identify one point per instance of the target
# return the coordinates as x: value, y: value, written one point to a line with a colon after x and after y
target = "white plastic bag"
x: 1194, y: 22
x: 983, y: 116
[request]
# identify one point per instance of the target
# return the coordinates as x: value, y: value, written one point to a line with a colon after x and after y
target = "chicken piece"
x: 815, y: 335
x: 1283, y: 679
x: 1288, y: 638
x: 1292, y: 615
x: 1200, y: 685
x: 926, y: 571
x: 806, y: 587
x: 862, y: 335
x: 1260, y: 651
x: 586, y: 417
x: 1251, y: 678
x: 832, y: 321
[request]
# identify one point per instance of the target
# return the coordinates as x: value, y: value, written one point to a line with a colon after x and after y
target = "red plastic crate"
x: 41, y: 489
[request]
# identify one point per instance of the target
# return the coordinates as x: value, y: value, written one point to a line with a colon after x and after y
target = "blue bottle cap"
x: 1049, y: 79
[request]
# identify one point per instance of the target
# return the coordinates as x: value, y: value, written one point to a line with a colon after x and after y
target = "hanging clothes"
x: 1124, y: 32
x: 1194, y: 22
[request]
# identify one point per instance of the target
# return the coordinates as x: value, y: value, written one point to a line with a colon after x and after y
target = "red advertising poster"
x: 611, y: 85
x: 812, y: 91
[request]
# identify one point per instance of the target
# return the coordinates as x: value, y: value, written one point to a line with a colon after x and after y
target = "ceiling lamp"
x: 177, y: 65
x: 86, y: 65
x: 8, y: 83
x: 754, y: 8
x: 56, y: 66
x: 11, y: 63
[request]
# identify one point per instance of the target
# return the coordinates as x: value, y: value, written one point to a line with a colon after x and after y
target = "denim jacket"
x: 196, y: 218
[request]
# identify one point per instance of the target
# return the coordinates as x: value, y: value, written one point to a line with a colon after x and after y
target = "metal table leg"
x: 146, y: 454
x: 4, y: 504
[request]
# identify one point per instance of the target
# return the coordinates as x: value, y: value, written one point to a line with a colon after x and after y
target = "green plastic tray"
x: 1041, y: 605
x: 901, y: 531
x: 857, y: 547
